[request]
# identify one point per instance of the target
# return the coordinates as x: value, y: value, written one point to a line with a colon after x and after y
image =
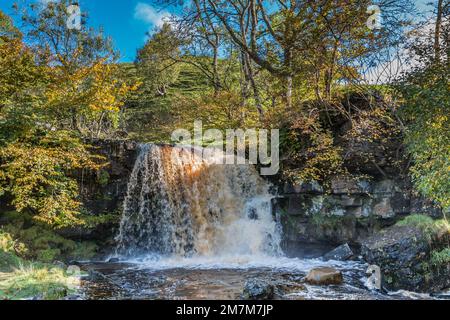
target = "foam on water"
x: 242, y: 262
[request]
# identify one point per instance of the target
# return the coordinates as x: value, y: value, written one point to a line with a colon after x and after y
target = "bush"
x: 440, y: 258
x: 9, y: 261
x: 41, y: 244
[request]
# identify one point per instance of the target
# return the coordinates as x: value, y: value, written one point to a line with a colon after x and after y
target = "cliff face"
x: 349, y: 210
x: 104, y: 191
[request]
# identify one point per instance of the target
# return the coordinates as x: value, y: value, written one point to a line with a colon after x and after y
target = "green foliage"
x: 103, y: 177
x: 9, y: 261
x: 430, y: 227
x: 21, y: 236
x: 92, y: 221
x: 417, y: 220
x: 52, y: 95
x: 308, y: 148
x: 426, y: 110
x: 331, y: 222
x: 36, y: 175
x: 36, y: 280
x: 7, y: 29
x: 21, y: 279
x: 157, y: 62
x: 440, y: 258
x: 178, y: 107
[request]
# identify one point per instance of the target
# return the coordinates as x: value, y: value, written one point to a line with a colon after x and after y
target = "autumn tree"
x: 85, y: 93
x: 58, y: 87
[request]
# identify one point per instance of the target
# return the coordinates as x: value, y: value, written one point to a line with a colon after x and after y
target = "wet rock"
x: 384, y: 187
x: 113, y: 260
x: 312, y: 187
x: 253, y: 214
x: 60, y: 264
x: 404, y: 255
x: 256, y: 289
x: 341, y: 253
x: 324, y: 276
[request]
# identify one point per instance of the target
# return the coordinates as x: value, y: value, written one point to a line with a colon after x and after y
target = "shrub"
x: 440, y: 258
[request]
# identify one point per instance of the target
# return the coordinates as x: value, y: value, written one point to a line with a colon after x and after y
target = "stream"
x: 211, y: 279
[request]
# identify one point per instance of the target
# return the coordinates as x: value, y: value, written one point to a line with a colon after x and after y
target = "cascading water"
x: 179, y: 204
x: 193, y: 229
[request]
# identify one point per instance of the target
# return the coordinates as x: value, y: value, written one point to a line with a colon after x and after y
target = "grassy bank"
x: 21, y: 279
x: 28, y: 260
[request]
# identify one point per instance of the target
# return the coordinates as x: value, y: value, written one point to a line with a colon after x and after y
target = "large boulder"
x: 324, y: 276
x: 405, y: 257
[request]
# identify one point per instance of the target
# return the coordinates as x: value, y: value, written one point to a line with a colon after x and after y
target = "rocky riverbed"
x: 239, y: 277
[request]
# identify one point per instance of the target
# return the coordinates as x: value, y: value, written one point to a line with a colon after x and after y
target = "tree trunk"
x: 216, y: 77
x: 244, y: 80
x: 437, y: 32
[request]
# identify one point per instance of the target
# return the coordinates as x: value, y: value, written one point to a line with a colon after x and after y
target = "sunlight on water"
x: 180, y: 205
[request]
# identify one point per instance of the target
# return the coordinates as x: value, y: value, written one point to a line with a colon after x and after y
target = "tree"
x: 85, y: 93
x: 157, y: 62
x: 426, y: 109
x: 55, y: 90
x: 327, y: 40
x: 34, y: 159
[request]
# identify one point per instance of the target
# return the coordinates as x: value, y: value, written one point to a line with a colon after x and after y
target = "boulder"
x: 341, y: 253
x: 256, y: 289
x: 404, y: 254
x: 324, y: 276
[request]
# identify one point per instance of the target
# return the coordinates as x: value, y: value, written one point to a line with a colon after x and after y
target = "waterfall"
x: 179, y: 204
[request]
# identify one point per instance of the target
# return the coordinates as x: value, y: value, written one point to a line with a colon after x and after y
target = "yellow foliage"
x: 37, y: 177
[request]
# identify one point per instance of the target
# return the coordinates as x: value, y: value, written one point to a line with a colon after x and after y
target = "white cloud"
x: 150, y: 15
x: 402, y: 59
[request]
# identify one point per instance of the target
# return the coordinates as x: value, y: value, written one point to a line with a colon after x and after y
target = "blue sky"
x: 126, y: 21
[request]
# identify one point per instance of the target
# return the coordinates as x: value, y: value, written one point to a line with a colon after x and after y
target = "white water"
x: 182, y: 212
x: 180, y: 207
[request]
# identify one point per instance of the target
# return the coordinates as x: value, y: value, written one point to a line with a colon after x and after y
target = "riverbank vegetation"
x: 300, y: 66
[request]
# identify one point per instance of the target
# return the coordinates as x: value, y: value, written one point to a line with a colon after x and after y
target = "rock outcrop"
x: 404, y: 255
x: 102, y: 192
x: 348, y: 211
